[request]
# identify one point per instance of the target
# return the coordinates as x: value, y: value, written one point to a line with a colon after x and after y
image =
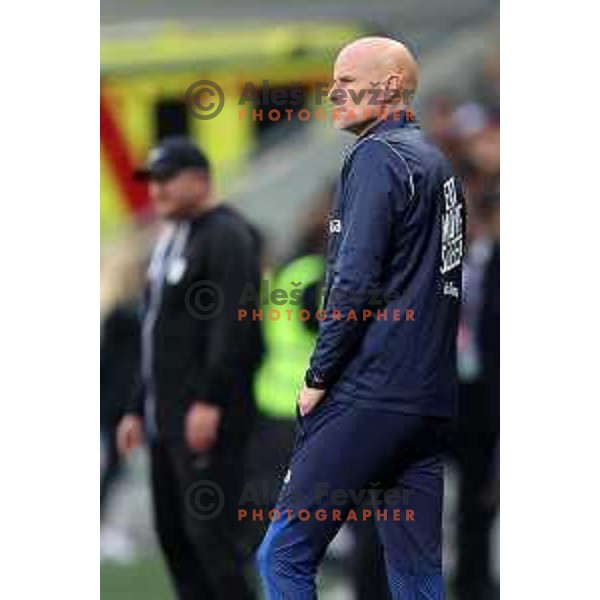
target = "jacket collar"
x: 389, y: 123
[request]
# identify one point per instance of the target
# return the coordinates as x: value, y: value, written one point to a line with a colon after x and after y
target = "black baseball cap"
x: 172, y: 155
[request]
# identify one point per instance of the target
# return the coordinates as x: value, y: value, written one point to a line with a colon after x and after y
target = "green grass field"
x: 145, y: 580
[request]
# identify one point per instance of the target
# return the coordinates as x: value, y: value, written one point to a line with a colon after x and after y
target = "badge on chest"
x: 176, y: 271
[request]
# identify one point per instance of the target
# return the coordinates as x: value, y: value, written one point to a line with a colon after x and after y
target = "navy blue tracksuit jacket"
x: 397, y: 235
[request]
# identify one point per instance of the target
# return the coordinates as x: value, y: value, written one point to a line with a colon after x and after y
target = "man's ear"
x: 393, y: 89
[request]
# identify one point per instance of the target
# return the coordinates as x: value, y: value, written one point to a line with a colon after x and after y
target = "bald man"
x: 375, y: 411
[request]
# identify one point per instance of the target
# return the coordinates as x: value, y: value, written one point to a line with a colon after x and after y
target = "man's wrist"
x: 314, y: 379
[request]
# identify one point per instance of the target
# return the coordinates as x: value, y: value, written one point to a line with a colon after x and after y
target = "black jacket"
x: 489, y: 337
x: 201, y: 350
x: 119, y: 362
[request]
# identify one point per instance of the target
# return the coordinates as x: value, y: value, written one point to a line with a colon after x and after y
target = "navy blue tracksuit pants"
x: 341, y: 453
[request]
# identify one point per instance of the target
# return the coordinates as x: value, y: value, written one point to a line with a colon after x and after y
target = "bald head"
x: 374, y: 63
x: 382, y: 57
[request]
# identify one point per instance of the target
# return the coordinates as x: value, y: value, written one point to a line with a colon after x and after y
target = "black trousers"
x: 195, y: 499
x: 476, y: 455
x: 111, y: 470
x: 267, y: 460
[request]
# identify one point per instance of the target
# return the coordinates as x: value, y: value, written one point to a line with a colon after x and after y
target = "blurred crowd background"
x: 279, y: 175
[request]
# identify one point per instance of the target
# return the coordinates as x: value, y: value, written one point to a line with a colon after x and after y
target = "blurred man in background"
x: 478, y: 425
x: 119, y: 373
x: 197, y: 358
x: 379, y: 393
